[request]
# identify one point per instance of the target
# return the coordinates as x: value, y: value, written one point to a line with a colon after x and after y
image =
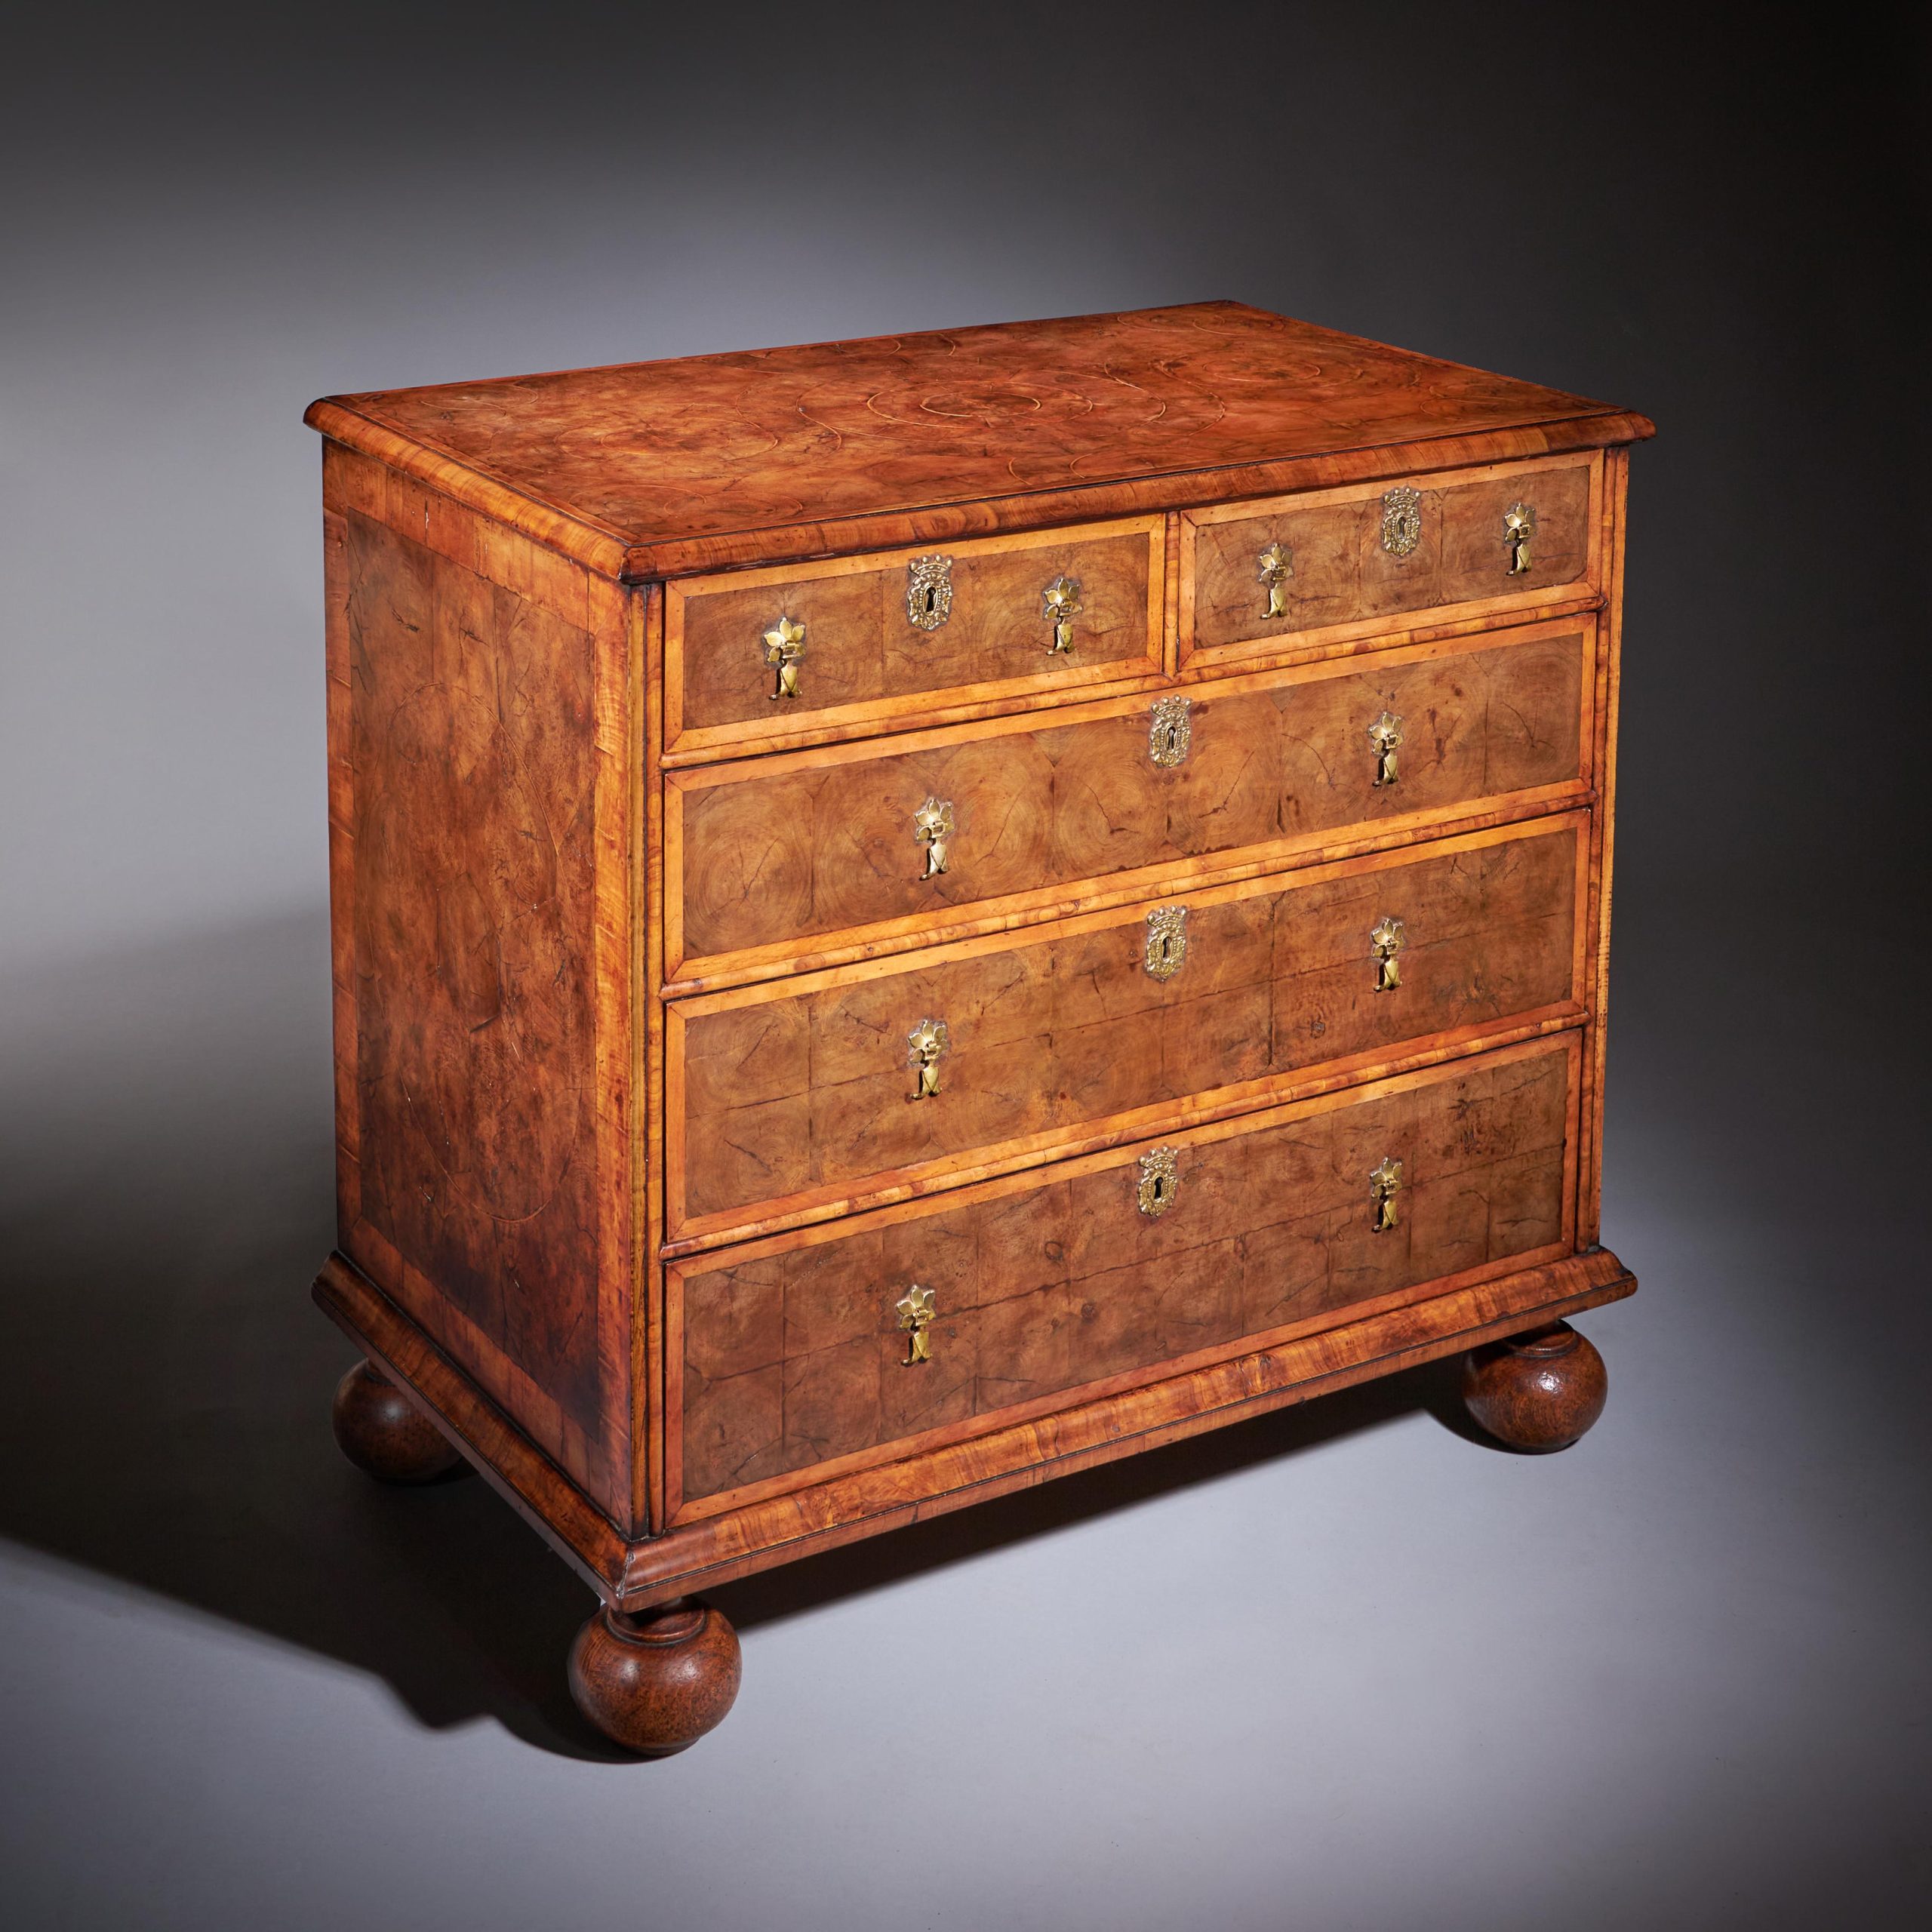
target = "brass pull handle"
x: 1059, y: 605
x: 1519, y: 525
x: 1383, y: 1180
x: 1385, y: 736
x: 1167, y: 941
x: 1159, y: 1182
x: 924, y: 1045
x: 1274, y: 566
x: 1170, y: 730
x: 928, y: 592
x: 784, y: 645
x: 932, y: 825
x: 1388, y: 939
x: 1402, y: 520
x: 915, y: 1312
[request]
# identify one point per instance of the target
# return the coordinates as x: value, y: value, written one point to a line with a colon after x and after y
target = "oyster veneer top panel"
x: 651, y: 468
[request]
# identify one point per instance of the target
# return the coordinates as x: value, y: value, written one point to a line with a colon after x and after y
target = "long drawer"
x: 806, y: 652
x: 800, y: 1356
x: 805, y: 859
x: 805, y: 1096
x: 1293, y: 573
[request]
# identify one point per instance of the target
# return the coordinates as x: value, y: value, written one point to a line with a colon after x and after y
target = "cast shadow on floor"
x: 163, y: 1204
x: 172, y: 1433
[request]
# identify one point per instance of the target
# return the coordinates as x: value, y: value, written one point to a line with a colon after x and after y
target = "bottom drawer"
x: 815, y: 1352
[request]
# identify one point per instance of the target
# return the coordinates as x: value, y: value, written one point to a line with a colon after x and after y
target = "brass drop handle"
x: 1384, y: 1179
x: 1059, y: 605
x: 1385, y: 736
x: 1386, y: 941
x: 784, y: 645
x: 1519, y: 525
x: 932, y: 825
x: 1159, y: 1181
x: 915, y: 1312
x: 1274, y: 566
x: 924, y: 1046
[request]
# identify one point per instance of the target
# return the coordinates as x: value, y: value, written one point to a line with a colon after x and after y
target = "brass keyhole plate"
x: 1166, y: 950
x: 1170, y: 730
x: 928, y: 592
x: 1159, y: 1181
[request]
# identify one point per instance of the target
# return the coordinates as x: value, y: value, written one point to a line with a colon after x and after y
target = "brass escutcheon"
x: 1401, y: 520
x: 1059, y: 605
x: 1167, y: 941
x: 928, y: 592
x: 932, y: 825
x: 1385, y: 736
x: 1170, y: 730
x: 915, y: 1312
x: 1388, y: 939
x: 1159, y: 1182
x: 1383, y: 1179
x: 784, y: 645
x: 1519, y: 525
x: 1274, y: 566
x: 924, y: 1045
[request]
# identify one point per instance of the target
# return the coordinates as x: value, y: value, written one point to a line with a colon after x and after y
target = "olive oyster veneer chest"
x: 911, y: 915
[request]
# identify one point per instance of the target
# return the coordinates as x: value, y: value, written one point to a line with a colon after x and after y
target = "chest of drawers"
x: 912, y: 915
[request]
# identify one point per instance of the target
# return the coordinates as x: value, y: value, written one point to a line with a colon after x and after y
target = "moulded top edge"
x: 716, y: 462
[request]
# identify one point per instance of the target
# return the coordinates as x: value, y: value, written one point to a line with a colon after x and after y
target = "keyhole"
x: 932, y: 600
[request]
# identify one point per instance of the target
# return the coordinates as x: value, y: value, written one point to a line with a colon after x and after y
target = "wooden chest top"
x: 647, y: 469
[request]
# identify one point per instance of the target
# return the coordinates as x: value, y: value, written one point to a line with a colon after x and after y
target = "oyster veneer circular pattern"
x: 668, y: 451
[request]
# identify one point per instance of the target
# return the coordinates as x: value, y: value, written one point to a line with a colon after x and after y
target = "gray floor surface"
x: 1343, y: 1667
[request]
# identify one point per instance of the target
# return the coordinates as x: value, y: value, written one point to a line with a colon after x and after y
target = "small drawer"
x: 810, y: 859
x: 1302, y: 574
x: 806, y: 1097
x: 802, y: 1356
x: 757, y: 659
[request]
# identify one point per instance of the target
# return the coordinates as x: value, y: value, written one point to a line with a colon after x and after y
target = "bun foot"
x: 657, y: 1681
x: 1539, y: 1391
x: 383, y: 1433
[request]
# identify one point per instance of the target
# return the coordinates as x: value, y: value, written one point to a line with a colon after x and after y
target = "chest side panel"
x: 466, y: 908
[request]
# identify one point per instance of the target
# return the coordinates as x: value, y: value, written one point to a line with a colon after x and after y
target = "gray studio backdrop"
x: 1342, y: 1668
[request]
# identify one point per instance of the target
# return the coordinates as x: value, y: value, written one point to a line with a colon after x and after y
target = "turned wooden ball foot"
x: 657, y: 1681
x: 1539, y: 1391
x: 383, y: 1433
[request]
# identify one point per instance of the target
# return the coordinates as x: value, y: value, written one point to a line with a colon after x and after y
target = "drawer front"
x: 809, y: 1096
x: 1309, y: 570
x: 763, y: 657
x: 796, y: 857
x: 806, y: 1357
